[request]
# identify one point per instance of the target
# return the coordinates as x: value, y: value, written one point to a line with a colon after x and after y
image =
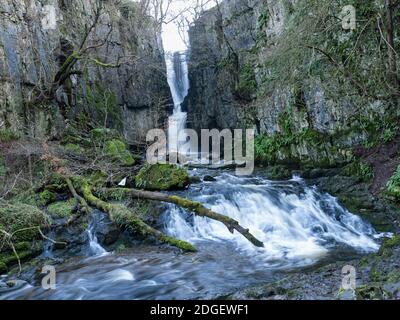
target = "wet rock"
x: 162, y: 177
x: 278, y: 172
x: 16, y: 283
x: 209, y: 178
x: 195, y: 179
x: 106, y: 231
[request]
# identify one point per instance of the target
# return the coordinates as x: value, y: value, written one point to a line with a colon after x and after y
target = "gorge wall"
x: 118, y: 81
x: 312, y: 89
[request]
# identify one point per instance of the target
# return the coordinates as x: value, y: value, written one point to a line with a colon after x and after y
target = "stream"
x: 299, y: 226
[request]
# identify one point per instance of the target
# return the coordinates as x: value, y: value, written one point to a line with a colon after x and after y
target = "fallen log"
x: 195, y: 207
x: 124, y: 217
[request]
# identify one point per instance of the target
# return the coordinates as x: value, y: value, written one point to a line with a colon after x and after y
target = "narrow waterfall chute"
x: 178, y: 80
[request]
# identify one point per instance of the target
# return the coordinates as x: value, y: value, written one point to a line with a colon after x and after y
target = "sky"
x: 172, y: 40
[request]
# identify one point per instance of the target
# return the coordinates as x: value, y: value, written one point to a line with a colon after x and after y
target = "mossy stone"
x: 98, y: 178
x: 162, y: 177
x: 18, y: 216
x: 46, y: 197
x: 388, y: 245
x: 56, y: 183
x: 61, y: 209
x: 117, y: 151
x: 278, y: 172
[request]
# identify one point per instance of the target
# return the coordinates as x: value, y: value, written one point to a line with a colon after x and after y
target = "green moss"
x: 393, y: 185
x: 104, y: 102
x: 17, y: 216
x: 247, y: 85
x: 162, y: 177
x: 388, y: 245
x: 56, y: 183
x: 270, y: 149
x: 116, y: 150
x: 369, y: 292
x: 8, y: 135
x: 28, y: 197
x: 278, y: 172
x: 98, y: 178
x: 61, y: 209
x: 25, y: 251
x: 185, y: 246
x: 359, y: 169
x: 46, y: 197
x: 115, y: 194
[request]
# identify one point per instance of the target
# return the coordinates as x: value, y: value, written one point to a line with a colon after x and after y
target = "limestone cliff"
x: 312, y: 89
x: 119, y: 81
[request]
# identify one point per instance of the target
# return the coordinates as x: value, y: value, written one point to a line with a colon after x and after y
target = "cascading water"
x: 177, y: 73
x: 297, y: 224
x: 95, y: 249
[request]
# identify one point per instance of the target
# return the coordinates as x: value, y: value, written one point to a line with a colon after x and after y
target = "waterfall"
x: 178, y: 80
x: 297, y: 223
x: 95, y: 248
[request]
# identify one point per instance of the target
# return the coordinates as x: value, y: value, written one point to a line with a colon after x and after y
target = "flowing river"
x: 299, y: 226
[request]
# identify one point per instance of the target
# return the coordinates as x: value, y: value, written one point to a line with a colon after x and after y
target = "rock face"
x: 119, y: 82
x: 250, y: 67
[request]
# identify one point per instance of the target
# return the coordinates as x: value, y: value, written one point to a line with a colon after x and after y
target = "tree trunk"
x: 194, y: 207
x: 124, y: 217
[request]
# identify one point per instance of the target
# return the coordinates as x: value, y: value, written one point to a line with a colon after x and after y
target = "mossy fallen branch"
x: 124, y: 217
x: 193, y: 206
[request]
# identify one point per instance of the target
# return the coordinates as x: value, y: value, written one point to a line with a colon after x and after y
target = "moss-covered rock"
x: 56, y: 183
x: 18, y: 216
x: 61, y: 209
x: 45, y: 197
x: 360, y: 170
x: 162, y: 177
x: 388, y: 245
x: 278, y: 172
x: 117, y: 151
x: 25, y: 250
x: 98, y: 178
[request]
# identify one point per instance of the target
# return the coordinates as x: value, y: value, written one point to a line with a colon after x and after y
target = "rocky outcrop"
x: 119, y: 82
x: 304, y: 84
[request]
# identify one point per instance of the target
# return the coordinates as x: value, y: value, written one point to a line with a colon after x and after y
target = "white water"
x: 297, y: 224
x: 178, y: 80
x: 95, y: 248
